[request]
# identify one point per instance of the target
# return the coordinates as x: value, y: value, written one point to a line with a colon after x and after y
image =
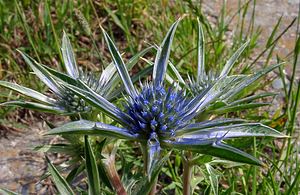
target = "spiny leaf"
x: 86, y: 127
x: 64, y: 77
x: 162, y: 56
x: 220, y: 87
x: 37, y: 106
x: 114, y: 93
x: 251, y: 98
x: 212, y: 147
x: 114, y: 81
x: 232, y: 59
x: 99, y: 102
x: 200, y: 52
x: 208, y: 124
x: 130, y: 89
x: 68, y: 57
x: 28, y: 92
x: 229, y: 95
x: 42, y: 73
x: 236, y: 108
x: 231, y: 131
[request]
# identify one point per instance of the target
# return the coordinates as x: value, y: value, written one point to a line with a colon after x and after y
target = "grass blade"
x: 145, y: 185
x: 7, y: 192
x: 60, y: 183
x: 91, y: 168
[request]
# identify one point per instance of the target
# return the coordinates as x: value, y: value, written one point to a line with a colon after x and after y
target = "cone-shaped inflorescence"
x: 157, y: 110
x: 206, y: 81
x: 73, y: 103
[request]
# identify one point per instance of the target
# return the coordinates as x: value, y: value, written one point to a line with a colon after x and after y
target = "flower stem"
x: 153, y: 190
x: 187, y: 174
x: 145, y: 159
x: 113, y: 176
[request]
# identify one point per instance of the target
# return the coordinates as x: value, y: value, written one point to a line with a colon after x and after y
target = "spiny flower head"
x: 205, y: 79
x: 157, y: 110
x: 73, y: 103
x: 196, y: 86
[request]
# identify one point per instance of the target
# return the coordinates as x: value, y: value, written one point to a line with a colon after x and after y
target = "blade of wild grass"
x: 270, y: 39
x: 56, y: 40
x: 86, y: 27
x: 7, y: 192
x: 61, y: 184
x: 21, y: 15
x: 293, y: 101
x: 145, y: 185
x: 91, y: 168
x: 269, y: 46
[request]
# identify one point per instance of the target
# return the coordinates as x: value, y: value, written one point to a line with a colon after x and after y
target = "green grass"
x: 36, y: 27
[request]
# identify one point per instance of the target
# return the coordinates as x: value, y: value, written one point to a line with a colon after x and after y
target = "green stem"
x: 187, y: 174
x: 153, y: 190
x: 145, y: 159
x: 254, y: 183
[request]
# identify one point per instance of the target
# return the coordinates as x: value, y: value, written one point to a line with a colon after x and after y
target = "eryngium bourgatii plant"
x: 162, y: 117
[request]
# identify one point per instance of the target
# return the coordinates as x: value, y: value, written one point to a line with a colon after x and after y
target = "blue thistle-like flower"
x: 156, y: 110
x: 161, y: 116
